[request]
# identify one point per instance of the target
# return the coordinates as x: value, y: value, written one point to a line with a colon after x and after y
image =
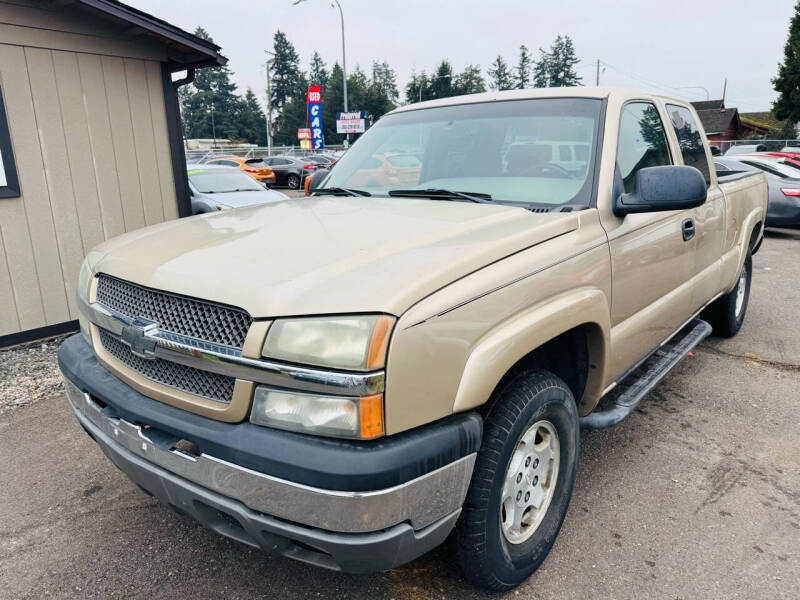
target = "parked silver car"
x: 783, y: 180
x: 216, y: 188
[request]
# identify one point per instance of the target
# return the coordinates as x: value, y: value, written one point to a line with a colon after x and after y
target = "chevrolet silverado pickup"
x: 347, y: 378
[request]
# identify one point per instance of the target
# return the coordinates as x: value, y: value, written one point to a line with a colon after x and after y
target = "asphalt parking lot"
x: 696, y: 495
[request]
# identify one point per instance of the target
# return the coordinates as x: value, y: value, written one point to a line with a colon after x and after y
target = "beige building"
x: 90, y: 144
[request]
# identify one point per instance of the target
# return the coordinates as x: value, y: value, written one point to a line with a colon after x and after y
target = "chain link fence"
x: 763, y: 145
x: 204, y: 154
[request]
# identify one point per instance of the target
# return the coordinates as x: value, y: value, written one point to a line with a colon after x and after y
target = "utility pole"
x: 269, y: 104
x: 724, y: 89
x: 213, y: 128
x: 597, y: 74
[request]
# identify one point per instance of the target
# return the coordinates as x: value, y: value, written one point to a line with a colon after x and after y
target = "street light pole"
x: 695, y: 87
x: 269, y: 104
x: 213, y: 128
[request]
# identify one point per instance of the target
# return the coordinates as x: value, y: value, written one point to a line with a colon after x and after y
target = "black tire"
x: 722, y: 314
x: 293, y: 181
x: 486, y: 557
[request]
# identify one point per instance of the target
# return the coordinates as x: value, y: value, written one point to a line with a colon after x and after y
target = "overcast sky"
x: 647, y: 44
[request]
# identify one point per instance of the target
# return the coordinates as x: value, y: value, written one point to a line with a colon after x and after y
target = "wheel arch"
x: 567, y: 335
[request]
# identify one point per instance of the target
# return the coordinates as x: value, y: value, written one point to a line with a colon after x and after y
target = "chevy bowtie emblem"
x: 135, y: 336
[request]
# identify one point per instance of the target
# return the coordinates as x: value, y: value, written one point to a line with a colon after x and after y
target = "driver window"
x: 642, y: 142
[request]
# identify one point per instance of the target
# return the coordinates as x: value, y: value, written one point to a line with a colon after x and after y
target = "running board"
x: 624, y: 397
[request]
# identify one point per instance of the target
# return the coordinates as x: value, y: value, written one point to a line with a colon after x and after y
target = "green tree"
x: 318, y: 72
x: 469, y: 81
x: 500, y: 76
x: 787, y: 81
x: 442, y: 80
x: 385, y: 80
x: 212, y: 91
x: 562, y: 63
x: 524, y: 68
x: 252, y: 124
x: 286, y: 74
x: 541, y: 70
x: 418, y: 87
x: 289, y: 86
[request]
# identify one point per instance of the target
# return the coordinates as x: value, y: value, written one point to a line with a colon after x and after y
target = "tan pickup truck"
x: 346, y: 378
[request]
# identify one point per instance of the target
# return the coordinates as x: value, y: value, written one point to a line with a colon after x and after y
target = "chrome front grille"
x: 195, y: 318
x: 187, y: 379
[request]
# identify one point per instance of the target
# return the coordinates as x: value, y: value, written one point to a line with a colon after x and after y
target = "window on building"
x: 689, y: 139
x: 642, y: 142
x: 9, y: 184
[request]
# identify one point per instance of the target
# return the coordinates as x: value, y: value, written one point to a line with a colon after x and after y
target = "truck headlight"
x: 336, y: 416
x: 355, y: 342
x: 82, y: 291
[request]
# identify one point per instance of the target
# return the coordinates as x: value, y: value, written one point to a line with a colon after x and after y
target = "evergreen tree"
x: 251, y: 121
x: 385, y: 80
x: 418, y: 88
x: 541, y: 70
x: 562, y: 63
x: 524, y: 67
x: 787, y: 82
x: 286, y: 74
x: 318, y: 73
x: 469, y: 81
x: 500, y: 76
x: 442, y: 80
x: 211, y: 91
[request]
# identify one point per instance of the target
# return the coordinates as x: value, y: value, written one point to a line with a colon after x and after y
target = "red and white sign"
x: 314, y: 94
x: 303, y: 134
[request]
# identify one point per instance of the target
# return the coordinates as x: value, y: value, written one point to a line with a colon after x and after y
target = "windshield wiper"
x: 443, y: 194
x: 338, y: 191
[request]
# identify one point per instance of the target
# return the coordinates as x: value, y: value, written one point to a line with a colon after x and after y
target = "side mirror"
x: 313, y: 181
x: 670, y: 187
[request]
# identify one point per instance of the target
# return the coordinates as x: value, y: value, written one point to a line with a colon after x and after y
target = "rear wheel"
x: 293, y: 181
x: 522, y: 483
x: 727, y: 313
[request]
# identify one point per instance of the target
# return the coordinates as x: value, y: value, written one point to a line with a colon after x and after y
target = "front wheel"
x: 293, y: 181
x: 522, y: 482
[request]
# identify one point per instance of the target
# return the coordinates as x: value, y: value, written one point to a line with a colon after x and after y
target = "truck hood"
x: 239, y: 199
x: 325, y: 255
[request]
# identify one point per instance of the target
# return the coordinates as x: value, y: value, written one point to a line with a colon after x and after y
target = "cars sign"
x: 314, y: 104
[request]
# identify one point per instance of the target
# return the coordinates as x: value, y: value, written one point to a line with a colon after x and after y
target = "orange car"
x: 254, y: 167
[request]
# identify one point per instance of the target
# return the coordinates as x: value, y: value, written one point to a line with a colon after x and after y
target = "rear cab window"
x: 642, y: 142
x: 690, y: 139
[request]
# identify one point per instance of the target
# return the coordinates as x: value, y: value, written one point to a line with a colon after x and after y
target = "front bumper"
x: 355, y: 531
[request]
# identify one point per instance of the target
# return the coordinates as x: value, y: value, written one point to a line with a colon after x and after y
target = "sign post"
x: 314, y: 105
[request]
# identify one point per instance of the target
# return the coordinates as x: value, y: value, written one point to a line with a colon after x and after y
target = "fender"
x: 511, y: 340
x: 733, y: 260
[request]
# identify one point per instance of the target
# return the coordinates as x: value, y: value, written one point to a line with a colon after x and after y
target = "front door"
x: 650, y: 260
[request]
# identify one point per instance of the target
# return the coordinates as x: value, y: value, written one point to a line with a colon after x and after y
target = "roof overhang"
x: 188, y: 50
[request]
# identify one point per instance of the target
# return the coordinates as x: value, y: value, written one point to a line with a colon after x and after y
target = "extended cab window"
x: 689, y: 139
x: 642, y: 142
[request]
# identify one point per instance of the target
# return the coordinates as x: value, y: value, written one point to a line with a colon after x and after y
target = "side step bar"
x: 624, y: 398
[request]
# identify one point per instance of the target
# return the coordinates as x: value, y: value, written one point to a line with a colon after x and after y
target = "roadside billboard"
x: 351, y: 122
x: 314, y: 105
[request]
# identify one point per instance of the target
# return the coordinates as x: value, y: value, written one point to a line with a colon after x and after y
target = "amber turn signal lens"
x: 376, y: 356
x: 370, y: 414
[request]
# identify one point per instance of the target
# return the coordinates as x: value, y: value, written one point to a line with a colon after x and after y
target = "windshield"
x: 539, y: 151
x: 218, y: 181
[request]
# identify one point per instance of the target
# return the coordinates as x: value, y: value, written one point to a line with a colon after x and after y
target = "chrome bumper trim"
x: 420, y: 502
x: 224, y: 360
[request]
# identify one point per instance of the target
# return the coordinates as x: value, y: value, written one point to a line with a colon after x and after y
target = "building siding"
x: 89, y: 133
